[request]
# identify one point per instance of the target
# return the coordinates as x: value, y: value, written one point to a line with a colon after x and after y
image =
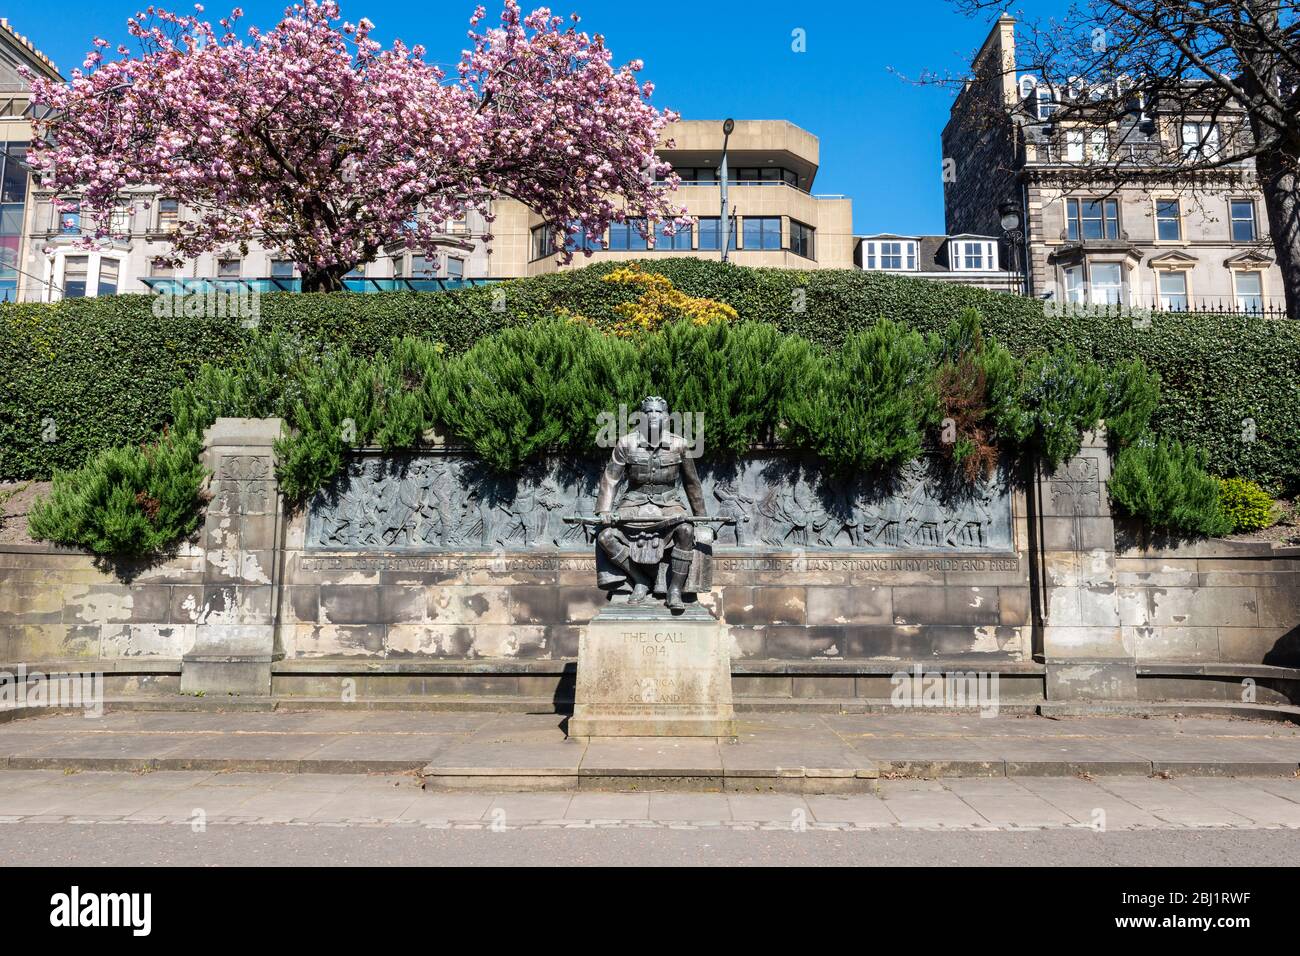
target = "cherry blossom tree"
x: 313, y: 140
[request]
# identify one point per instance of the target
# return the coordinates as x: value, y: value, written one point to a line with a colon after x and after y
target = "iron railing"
x: 186, y: 286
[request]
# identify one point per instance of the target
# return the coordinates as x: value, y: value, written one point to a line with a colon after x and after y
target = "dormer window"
x: 890, y: 255
x: 973, y: 255
x: 1200, y: 140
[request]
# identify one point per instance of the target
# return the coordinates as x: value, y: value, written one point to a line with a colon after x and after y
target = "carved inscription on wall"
x: 453, y: 503
x: 244, y: 484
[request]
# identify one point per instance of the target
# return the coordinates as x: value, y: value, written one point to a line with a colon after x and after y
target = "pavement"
x: 808, y: 753
x: 199, y: 800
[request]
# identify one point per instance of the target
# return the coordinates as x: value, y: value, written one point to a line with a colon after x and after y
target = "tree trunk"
x: 1280, y: 182
x: 324, y: 280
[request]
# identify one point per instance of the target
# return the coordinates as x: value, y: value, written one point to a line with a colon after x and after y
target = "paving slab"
x: 1171, y: 804
x: 928, y: 808
x: 772, y: 752
x: 1243, y: 797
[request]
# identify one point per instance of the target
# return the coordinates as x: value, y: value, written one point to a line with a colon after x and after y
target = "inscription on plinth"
x: 643, y: 672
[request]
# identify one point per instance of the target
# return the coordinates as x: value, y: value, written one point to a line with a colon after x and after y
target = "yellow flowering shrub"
x: 659, y: 303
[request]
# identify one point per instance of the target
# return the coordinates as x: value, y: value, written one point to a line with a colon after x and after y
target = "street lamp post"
x: 724, y: 221
x: 1012, y: 220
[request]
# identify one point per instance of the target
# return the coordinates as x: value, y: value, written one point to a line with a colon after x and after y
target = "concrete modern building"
x: 16, y: 108
x: 777, y: 221
x: 966, y: 259
x: 1156, y: 238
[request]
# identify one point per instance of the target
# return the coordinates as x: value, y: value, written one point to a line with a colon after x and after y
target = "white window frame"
x: 1098, y: 146
x: 1166, y: 298
x: 873, y: 255
x: 1093, y: 286
x: 1074, y: 145
x: 1074, y: 285
x: 1200, y: 130
x: 1233, y: 220
x: 1237, y: 294
x: 960, y: 255
x: 1155, y: 209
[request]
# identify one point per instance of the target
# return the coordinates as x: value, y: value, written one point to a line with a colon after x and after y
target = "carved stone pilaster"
x: 241, y: 541
x: 1082, y: 641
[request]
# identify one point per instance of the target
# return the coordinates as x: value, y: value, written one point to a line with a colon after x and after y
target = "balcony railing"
x: 1267, y: 306
x: 187, y: 286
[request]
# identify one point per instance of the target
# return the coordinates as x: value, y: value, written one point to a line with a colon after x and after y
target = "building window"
x: 75, y: 271
x: 974, y: 255
x: 1173, y: 290
x: 681, y: 239
x: 1046, y: 104
x: 543, y: 242
x: 281, y: 268
x: 710, y: 228
x: 628, y: 236
x: 801, y: 240
x: 119, y: 223
x: 580, y: 241
x: 13, y: 180
x: 228, y: 268
x: 426, y: 267
x: 762, y: 232
x: 1107, y: 283
x: 1249, y: 287
x: 108, y: 273
x: 70, y: 220
x: 1091, y: 219
x: 1098, y: 146
x: 763, y: 174
x: 1200, y: 140
x: 169, y: 212
x: 1074, y: 284
x: 13, y: 197
x: 696, y: 174
x: 1169, y: 221
x: 1243, y: 220
x: 1074, y: 145
x: 455, y: 268
x: 892, y: 255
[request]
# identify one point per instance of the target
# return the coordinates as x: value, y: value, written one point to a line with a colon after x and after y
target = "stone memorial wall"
x: 427, y: 576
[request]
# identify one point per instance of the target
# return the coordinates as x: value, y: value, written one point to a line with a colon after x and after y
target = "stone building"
x: 16, y: 108
x: 1155, y: 238
x: 778, y: 221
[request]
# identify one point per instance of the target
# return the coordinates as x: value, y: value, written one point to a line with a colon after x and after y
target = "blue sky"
x: 879, y: 134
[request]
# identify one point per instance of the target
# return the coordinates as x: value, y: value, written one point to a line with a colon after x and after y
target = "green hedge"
x: 101, y: 369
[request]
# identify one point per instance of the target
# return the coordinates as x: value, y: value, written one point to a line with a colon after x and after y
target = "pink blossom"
x: 325, y: 147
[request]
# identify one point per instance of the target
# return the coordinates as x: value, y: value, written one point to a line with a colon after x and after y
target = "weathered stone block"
x: 1091, y: 680
x: 860, y: 605
x: 429, y: 640
x: 509, y: 641
x: 968, y: 605
x: 334, y: 640
x: 764, y: 605
x: 648, y: 673
x: 802, y: 642
x: 1173, y: 643
x: 468, y: 605
x: 1014, y: 605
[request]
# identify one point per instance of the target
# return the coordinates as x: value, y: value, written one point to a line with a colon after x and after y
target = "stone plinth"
x: 1087, y: 653
x: 235, y: 633
x: 645, y: 672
